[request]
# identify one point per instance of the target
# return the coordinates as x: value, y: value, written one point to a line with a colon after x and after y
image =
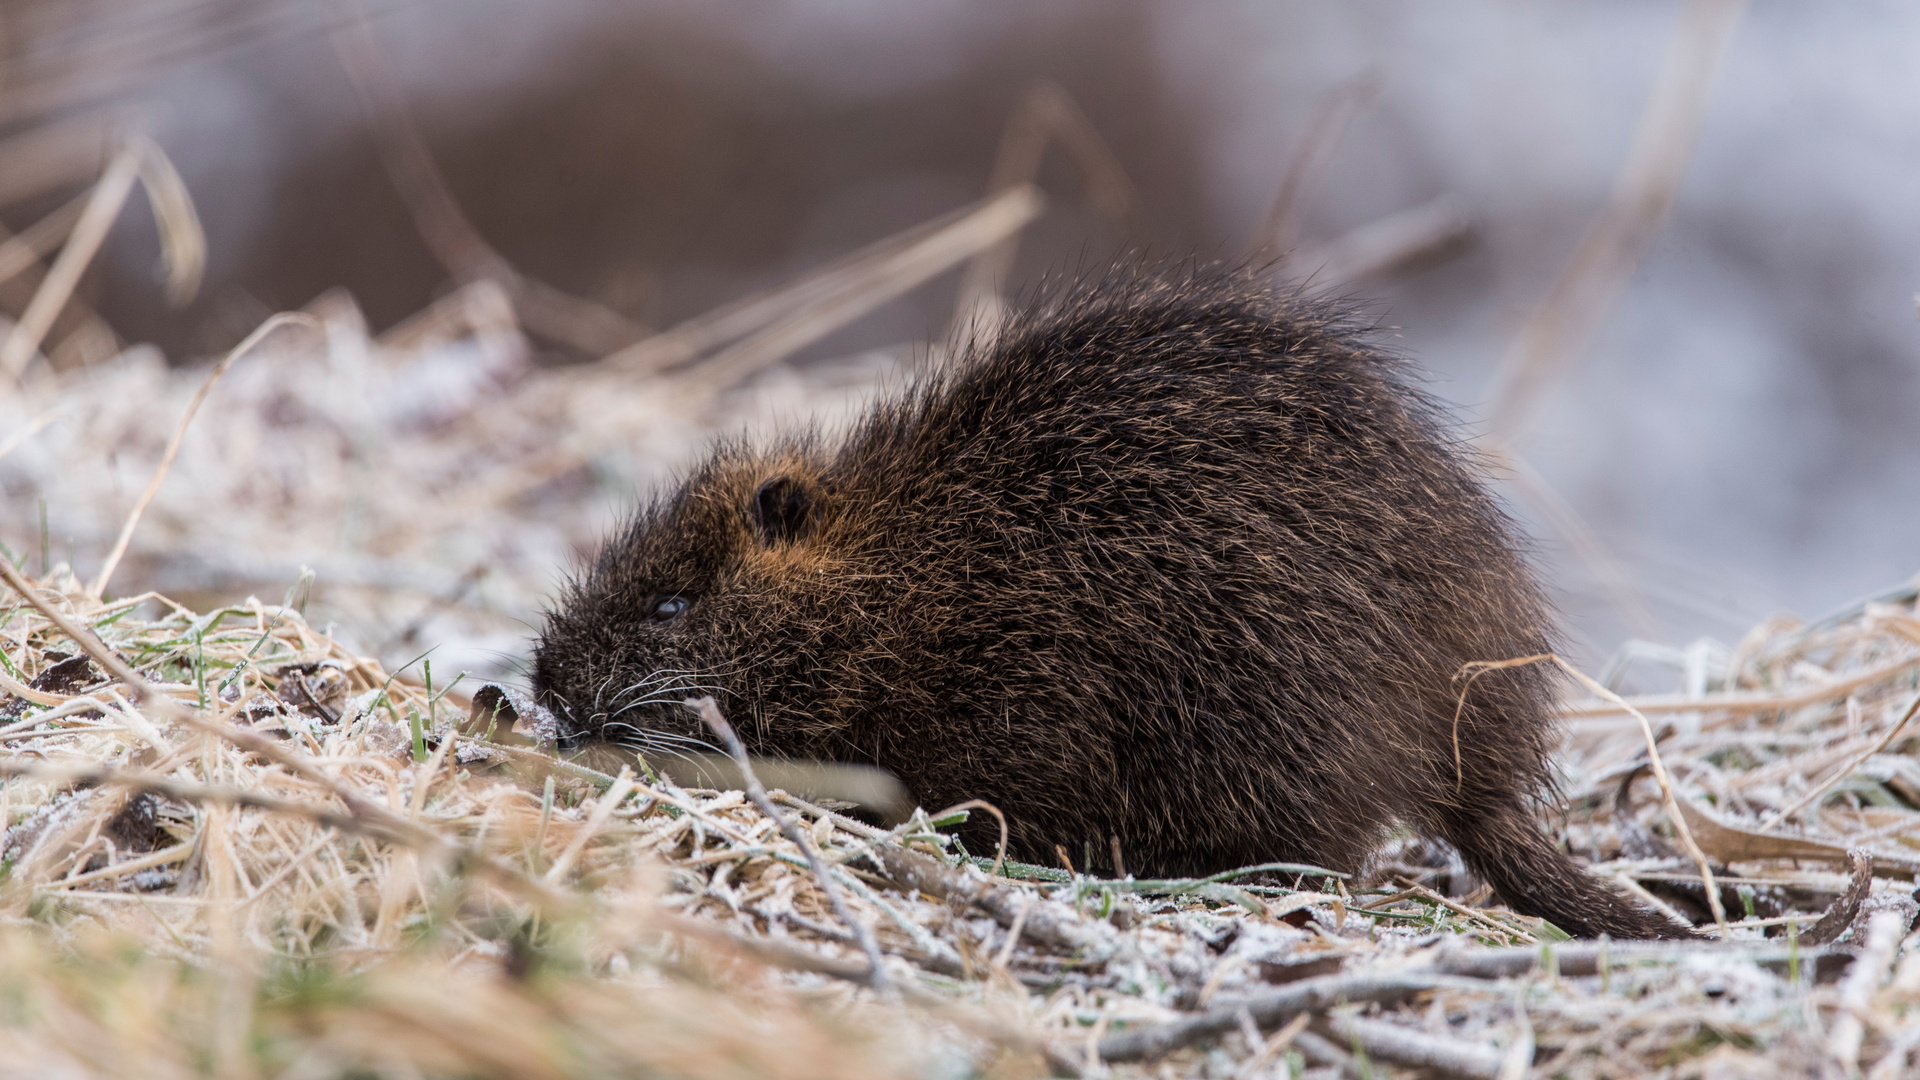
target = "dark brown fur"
x: 1180, y: 560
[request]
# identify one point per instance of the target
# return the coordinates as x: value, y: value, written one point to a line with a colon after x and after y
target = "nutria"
x: 1178, y: 559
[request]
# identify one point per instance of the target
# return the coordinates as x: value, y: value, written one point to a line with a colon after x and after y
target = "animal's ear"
x: 784, y: 511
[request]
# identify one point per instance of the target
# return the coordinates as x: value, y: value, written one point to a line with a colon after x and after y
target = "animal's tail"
x: 1506, y: 848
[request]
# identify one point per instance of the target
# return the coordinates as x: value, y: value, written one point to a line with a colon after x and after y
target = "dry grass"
x: 177, y: 899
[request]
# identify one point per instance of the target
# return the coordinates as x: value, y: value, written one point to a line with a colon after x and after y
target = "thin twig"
x: 1050, y: 923
x: 285, y: 318
x: 141, y: 780
x: 709, y: 711
x: 1274, y: 1007
x: 1402, y: 1045
x: 1482, y: 917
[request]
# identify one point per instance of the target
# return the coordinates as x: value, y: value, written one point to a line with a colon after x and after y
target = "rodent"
x: 1180, y: 558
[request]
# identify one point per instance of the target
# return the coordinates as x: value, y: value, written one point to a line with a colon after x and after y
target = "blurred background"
x: 1715, y: 203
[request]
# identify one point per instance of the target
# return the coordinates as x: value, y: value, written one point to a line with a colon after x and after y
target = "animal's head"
x: 707, y: 591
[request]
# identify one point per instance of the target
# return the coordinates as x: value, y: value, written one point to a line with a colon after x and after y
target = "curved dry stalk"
x: 1674, y: 811
x: 260, y: 332
x: 182, y: 239
x: 999, y: 853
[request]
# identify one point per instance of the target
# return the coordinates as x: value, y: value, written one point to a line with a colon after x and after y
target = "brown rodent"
x: 1179, y: 559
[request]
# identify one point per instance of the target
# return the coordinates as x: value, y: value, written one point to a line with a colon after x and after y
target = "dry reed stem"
x: 103, y: 206
x: 1842, y: 772
x: 1614, y: 240
x: 1046, y: 114
x: 582, y: 324
x: 736, y: 319
x: 995, y: 221
x: 49, y: 157
x: 26, y: 248
x: 1417, y: 235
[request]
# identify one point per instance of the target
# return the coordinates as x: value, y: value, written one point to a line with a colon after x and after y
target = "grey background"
x: 1739, y: 431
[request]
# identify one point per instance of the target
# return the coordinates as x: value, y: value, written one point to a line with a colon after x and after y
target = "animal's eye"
x: 665, y: 609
